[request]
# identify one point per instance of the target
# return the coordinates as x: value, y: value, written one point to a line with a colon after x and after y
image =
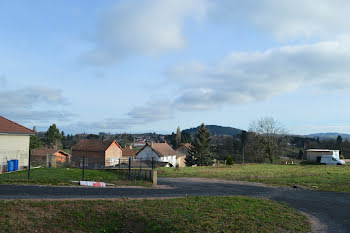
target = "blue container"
x: 15, y: 164
x: 10, y: 166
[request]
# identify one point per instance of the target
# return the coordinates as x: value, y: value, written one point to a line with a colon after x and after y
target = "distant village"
x: 174, y: 150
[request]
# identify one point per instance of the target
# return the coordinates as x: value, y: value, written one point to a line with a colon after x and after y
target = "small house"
x: 314, y: 155
x: 160, y: 152
x: 96, y: 153
x: 181, y: 153
x: 14, y: 143
x: 49, y: 157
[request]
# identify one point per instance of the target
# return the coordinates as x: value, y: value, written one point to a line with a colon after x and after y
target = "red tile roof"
x: 7, y: 126
x: 94, y: 145
x: 45, y: 152
x: 128, y: 152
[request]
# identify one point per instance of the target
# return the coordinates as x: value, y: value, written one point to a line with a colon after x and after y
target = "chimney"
x: 151, y: 144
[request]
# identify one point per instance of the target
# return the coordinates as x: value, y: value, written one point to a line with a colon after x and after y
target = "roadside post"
x: 29, y: 160
x: 83, y: 167
x: 129, y: 168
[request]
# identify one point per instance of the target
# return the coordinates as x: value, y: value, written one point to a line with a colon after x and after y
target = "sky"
x: 138, y: 66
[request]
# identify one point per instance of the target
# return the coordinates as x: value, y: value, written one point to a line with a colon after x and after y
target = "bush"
x: 342, y: 157
x: 229, y: 160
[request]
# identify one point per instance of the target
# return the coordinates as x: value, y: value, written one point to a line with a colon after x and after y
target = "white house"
x: 14, y: 143
x: 160, y: 152
x: 314, y: 155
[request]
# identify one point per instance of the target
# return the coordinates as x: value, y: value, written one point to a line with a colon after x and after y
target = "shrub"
x: 229, y: 160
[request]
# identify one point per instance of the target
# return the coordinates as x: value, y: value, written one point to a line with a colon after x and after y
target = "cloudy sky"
x: 153, y: 65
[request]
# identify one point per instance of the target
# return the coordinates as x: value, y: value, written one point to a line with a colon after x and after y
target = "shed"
x: 14, y: 143
x: 49, y: 157
x: 314, y: 155
x: 97, y: 153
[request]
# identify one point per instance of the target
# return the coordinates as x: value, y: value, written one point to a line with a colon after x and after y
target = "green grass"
x: 320, y: 177
x: 189, y: 214
x: 64, y: 176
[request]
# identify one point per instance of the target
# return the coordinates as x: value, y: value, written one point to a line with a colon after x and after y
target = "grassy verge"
x: 321, y: 177
x: 190, y: 214
x: 64, y: 176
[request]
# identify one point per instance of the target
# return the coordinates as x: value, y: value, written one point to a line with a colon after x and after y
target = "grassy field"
x: 189, y: 214
x: 64, y: 176
x: 320, y: 177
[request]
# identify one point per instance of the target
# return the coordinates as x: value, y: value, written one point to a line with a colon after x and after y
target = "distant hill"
x: 216, y: 130
x: 329, y: 135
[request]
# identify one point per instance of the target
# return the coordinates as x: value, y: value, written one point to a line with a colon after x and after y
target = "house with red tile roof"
x: 160, y: 152
x: 97, y: 153
x: 128, y: 152
x: 14, y: 143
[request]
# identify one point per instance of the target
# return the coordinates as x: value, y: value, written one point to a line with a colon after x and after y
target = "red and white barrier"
x: 92, y: 183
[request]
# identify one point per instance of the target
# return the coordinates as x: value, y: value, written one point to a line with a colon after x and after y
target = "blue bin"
x: 10, y: 166
x: 15, y: 164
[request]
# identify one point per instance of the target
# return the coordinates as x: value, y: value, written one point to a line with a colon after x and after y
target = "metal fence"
x: 129, y: 168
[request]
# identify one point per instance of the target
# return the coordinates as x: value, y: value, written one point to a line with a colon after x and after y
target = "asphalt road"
x: 330, y: 208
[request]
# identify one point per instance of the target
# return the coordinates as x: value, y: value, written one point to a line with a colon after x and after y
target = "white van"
x: 330, y: 160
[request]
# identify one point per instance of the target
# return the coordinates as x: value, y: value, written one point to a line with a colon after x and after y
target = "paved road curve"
x: 332, y: 209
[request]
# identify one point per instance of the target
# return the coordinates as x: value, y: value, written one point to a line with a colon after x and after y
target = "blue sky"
x: 140, y: 66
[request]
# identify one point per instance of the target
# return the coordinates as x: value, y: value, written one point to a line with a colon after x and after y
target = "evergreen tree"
x: 190, y: 160
x: 201, y: 152
x: 229, y: 160
x: 178, y: 137
x: 186, y: 137
x: 301, y: 154
x: 35, y: 141
x: 53, y: 137
x: 339, y: 142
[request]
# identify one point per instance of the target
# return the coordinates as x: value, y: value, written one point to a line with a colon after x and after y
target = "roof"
x: 128, y: 152
x: 161, y: 149
x: 321, y: 150
x: 10, y: 127
x: 44, y: 152
x: 94, y: 145
x: 186, y: 145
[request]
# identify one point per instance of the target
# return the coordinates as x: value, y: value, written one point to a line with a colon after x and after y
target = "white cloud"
x: 142, y: 28
x: 250, y: 77
x: 29, y: 97
x: 285, y: 19
x: 26, y: 104
x: 152, y: 111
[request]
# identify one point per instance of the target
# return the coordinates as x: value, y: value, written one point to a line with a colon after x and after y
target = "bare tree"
x: 270, y: 134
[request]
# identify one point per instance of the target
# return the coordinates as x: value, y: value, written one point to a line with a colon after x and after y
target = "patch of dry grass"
x: 325, y: 178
